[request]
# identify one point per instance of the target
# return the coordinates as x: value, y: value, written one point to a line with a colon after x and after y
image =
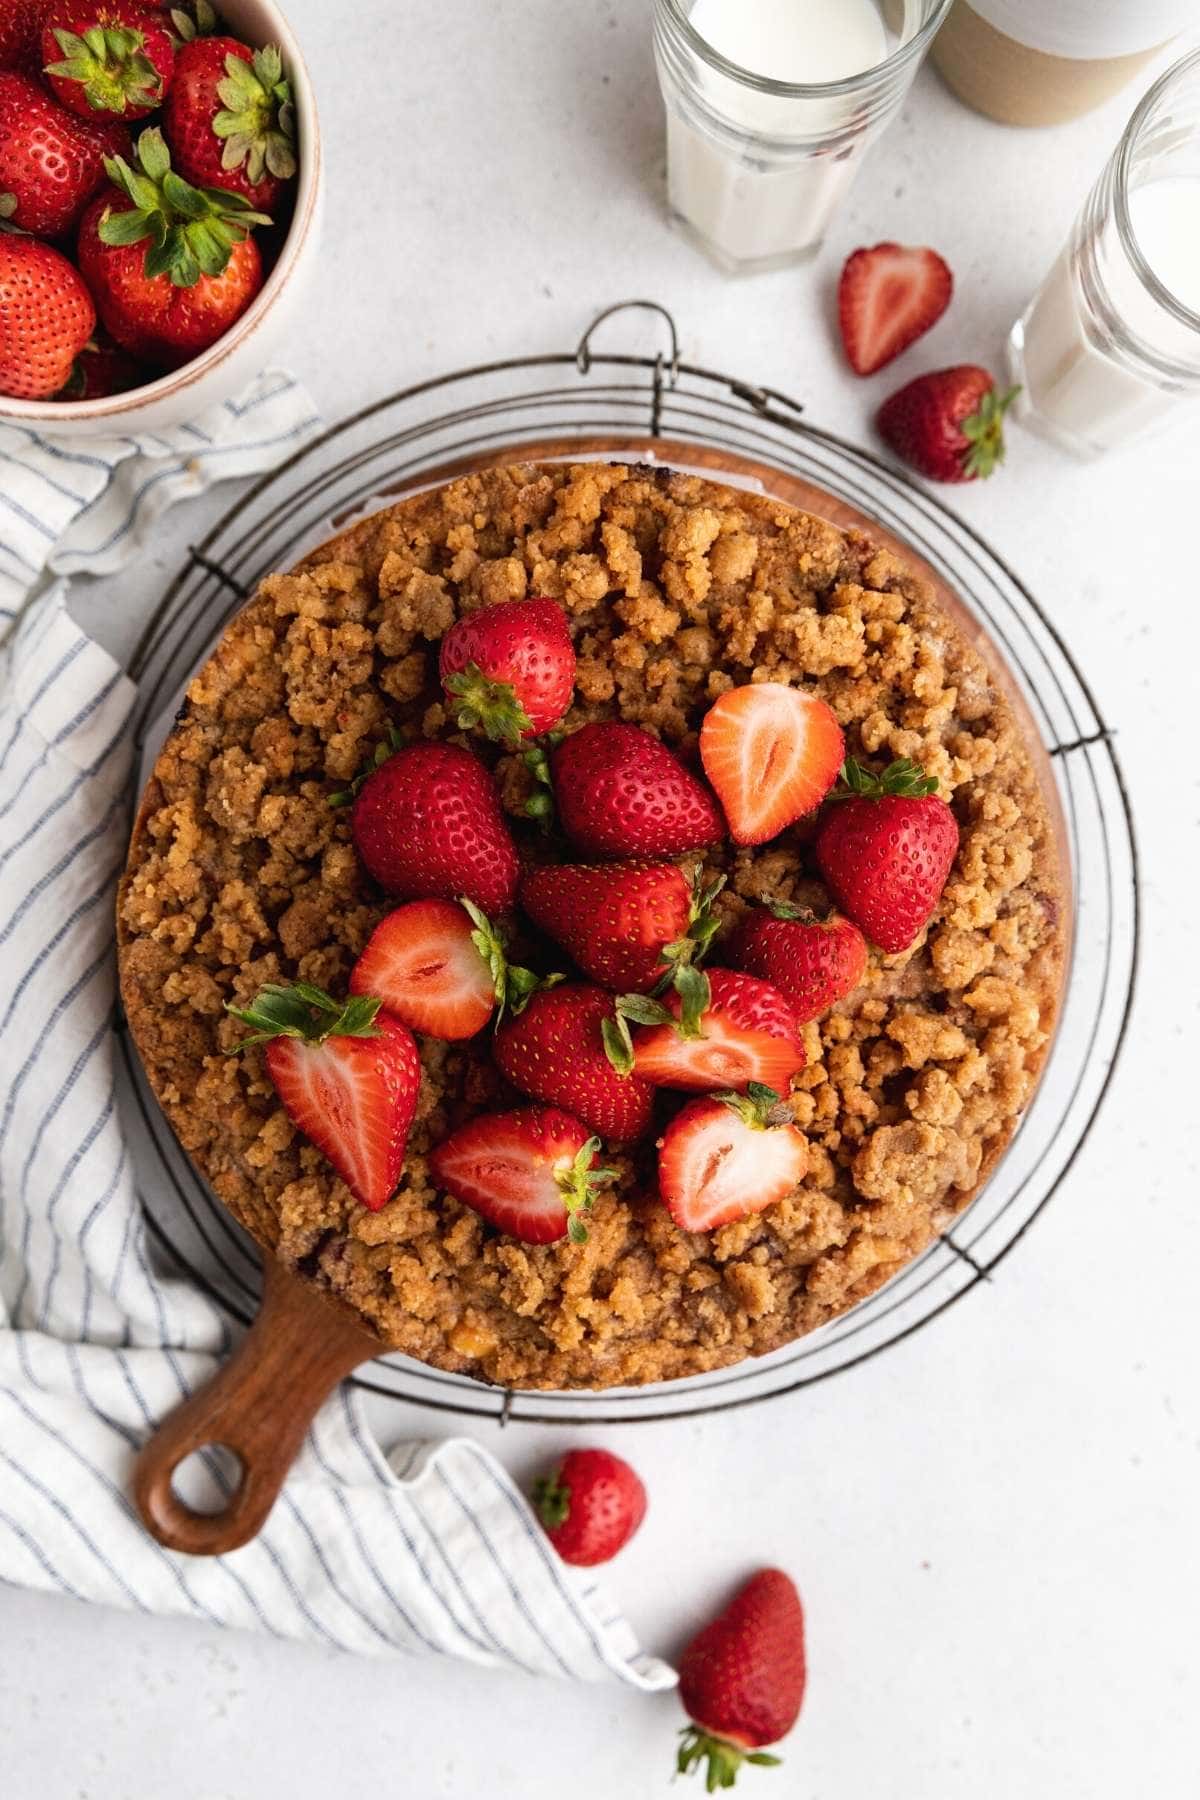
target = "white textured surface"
x: 993, y: 1524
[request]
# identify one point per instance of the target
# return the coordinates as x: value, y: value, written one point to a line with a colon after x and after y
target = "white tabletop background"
x: 993, y: 1524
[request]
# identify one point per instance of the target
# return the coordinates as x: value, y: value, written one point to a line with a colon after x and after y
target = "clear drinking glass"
x: 757, y: 165
x: 1110, y: 344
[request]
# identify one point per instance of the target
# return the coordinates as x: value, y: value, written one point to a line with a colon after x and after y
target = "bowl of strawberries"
x: 159, y: 194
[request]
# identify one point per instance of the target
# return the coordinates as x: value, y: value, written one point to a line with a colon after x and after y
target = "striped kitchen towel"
x: 431, y: 1550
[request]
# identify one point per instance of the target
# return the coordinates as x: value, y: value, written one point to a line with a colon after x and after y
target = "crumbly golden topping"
x: 241, y: 873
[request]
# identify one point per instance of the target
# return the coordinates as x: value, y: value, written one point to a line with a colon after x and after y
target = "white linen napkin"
x: 430, y: 1551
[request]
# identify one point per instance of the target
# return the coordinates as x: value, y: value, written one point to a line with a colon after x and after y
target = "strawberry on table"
x: 888, y: 297
x: 107, y: 59
x: 620, y: 792
x: 46, y: 315
x: 347, y: 1074
x: 50, y: 161
x: 813, y: 962
x: 509, y: 669
x: 230, y: 119
x: 555, y: 1052
x: 727, y: 1156
x: 950, y: 424
x: 717, y: 1029
x: 742, y: 1678
x: 885, y: 850
x: 772, y: 753
x: 531, y: 1173
x: 627, y: 925
x: 591, y: 1506
x: 171, y: 266
x: 440, y: 966
x: 427, y: 823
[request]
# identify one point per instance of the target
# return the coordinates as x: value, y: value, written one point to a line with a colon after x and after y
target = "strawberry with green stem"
x: 441, y: 967
x: 107, y: 59
x: 885, y: 847
x: 742, y: 1680
x: 172, y: 267
x: 716, y: 1029
x: 230, y: 119
x: 347, y: 1074
x: 726, y: 1156
x: 556, y: 1053
x: 948, y: 424
x: 509, y: 669
x: 532, y: 1173
x: 628, y: 925
x: 590, y: 1506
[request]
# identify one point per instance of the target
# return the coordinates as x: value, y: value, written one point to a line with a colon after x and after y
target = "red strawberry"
x: 229, y: 119
x: 886, y: 850
x: 949, y: 424
x: 509, y: 668
x: 717, y: 1030
x: 348, y: 1075
x: 726, y: 1156
x: 813, y: 962
x: 591, y: 1506
x: 530, y: 1173
x: 107, y: 59
x: 102, y: 368
x: 425, y: 963
x: 427, y: 823
x: 46, y: 317
x: 888, y: 297
x: 21, y: 36
x: 555, y: 1051
x: 627, y: 925
x: 772, y: 753
x: 741, y: 1679
x: 622, y: 793
x: 50, y: 160
x: 171, y: 268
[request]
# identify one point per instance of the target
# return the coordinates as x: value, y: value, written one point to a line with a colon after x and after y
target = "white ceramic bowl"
x: 246, y: 348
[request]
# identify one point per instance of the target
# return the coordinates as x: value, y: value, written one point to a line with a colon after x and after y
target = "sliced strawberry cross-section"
x: 440, y: 966
x: 888, y: 297
x: 530, y: 1173
x: 717, y: 1029
x: 772, y: 753
x: 726, y: 1156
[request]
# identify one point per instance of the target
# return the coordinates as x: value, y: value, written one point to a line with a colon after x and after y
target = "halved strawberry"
x: 440, y: 966
x: 348, y: 1075
x: 888, y: 297
x: 716, y: 1030
x: 727, y: 1156
x: 529, y: 1173
x: 772, y: 753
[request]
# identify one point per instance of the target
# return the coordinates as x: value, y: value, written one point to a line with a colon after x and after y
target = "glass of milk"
x: 1110, y: 345
x: 770, y: 106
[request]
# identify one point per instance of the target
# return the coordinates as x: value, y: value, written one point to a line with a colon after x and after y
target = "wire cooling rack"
x: 640, y: 406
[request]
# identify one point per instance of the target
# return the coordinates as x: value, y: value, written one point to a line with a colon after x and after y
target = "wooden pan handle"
x: 259, y: 1405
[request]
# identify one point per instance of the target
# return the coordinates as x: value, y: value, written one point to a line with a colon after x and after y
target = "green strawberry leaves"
x: 759, y: 1107
x: 383, y: 749
x: 492, y: 705
x: 189, y: 231
x: 200, y: 22
x: 903, y: 777
x: 703, y: 925
x: 8, y: 207
x: 111, y: 65
x: 695, y: 994
x: 984, y: 432
x: 722, y: 1757
x: 304, y: 1011
x: 579, y: 1186
x: 257, y: 120
x: 512, y: 985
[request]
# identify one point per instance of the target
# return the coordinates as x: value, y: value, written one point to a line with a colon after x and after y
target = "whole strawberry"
x: 171, y: 268
x: 949, y: 424
x: 50, y: 161
x: 741, y: 1679
x: 102, y: 368
x: 509, y: 669
x: 230, y: 119
x: 555, y: 1052
x: 591, y: 1506
x: 627, y: 925
x: 348, y: 1075
x: 886, y: 849
x: 21, y: 36
x: 427, y: 823
x: 814, y: 962
x: 107, y: 59
x: 46, y: 316
x: 620, y: 792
